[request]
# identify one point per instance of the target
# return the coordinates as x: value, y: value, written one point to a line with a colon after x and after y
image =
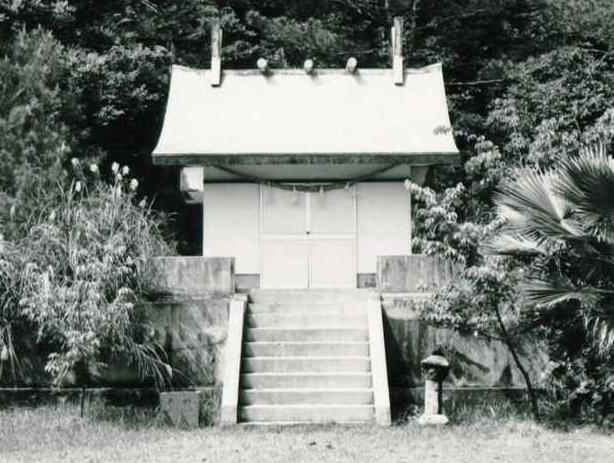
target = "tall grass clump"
x: 78, y: 278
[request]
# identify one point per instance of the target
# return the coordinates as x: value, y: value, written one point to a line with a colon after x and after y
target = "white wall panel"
x: 332, y: 264
x: 283, y: 212
x: 384, y: 222
x: 231, y: 223
x: 333, y: 212
x: 285, y: 264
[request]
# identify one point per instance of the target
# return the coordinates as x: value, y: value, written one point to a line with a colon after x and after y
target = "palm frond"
x: 602, y: 332
x: 587, y: 184
x: 508, y: 244
x: 531, y: 208
x: 550, y: 294
x: 149, y: 5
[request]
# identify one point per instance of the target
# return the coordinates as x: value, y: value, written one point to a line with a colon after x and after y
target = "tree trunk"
x: 527, y: 379
x: 82, y: 401
x: 411, y: 45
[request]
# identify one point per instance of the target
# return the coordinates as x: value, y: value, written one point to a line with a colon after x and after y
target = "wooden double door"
x: 307, y: 240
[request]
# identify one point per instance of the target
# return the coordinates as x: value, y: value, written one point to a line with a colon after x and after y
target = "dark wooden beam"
x: 306, y: 158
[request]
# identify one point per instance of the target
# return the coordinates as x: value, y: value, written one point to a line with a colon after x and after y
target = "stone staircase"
x: 306, y: 357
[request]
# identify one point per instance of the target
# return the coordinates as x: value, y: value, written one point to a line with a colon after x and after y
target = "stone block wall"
x: 190, y: 275
x: 413, y: 273
x: 475, y: 362
x: 193, y: 330
x: 191, y: 315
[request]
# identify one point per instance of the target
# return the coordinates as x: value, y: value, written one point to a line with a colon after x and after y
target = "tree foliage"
x: 562, y: 222
x: 34, y: 135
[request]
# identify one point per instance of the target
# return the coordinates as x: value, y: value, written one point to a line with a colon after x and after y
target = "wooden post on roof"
x: 216, y: 53
x: 398, y: 70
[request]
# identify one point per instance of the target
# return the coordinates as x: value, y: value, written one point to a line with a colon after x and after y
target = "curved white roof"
x: 290, y: 113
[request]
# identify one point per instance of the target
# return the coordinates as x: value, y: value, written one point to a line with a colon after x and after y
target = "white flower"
x: 115, y: 167
x: 78, y: 187
x: 124, y: 292
x: 52, y: 216
x: 12, y: 211
x: 94, y: 169
x: 125, y: 170
x: 142, y: 204
x: 134, y: 184
x: 74, y: 162
x: 407, y: 184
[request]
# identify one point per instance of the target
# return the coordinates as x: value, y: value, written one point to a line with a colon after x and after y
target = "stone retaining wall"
x: 190, y: 316
x: 475, y: 361
x: 413, y: 273
x: 189, y: 275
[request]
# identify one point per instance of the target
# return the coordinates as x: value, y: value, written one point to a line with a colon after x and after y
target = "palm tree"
x: 561, y: 224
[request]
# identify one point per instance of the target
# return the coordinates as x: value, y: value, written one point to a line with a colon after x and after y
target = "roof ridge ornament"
x: 263, y: 65
x: 398, y: 70
x: 351, y: 65
x: 308, y: 66
x: 216, y: 53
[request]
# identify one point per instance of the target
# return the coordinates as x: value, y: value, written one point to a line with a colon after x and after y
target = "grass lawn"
x: 52, y: 435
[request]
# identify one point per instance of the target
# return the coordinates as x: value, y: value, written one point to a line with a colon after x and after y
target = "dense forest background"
x: 527, y: 81
x: 530, y: 86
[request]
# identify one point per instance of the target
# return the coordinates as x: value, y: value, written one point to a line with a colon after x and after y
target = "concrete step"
x: 306, y: 364
x: 312, y: 296
x: 305, y: 320
x: 302, y: 349
x: 306, y: 380
x: 306, y: 396
x: 306, y: 335
x: 307, y: 413
x: 311, y: 308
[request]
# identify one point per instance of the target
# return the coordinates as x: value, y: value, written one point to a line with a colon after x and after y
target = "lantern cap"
x: 435, y: 360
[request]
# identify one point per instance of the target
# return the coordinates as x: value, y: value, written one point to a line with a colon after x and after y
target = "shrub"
x: 79, y: 277
x: 483, y: 299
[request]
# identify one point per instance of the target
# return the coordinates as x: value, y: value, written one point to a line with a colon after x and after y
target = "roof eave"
x: 186, y: 159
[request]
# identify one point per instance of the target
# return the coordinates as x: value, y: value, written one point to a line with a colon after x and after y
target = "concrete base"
x: 377, y: 350
x: 192, y: 275
x: 414, y: 273
x: 181, y: 407
x: 232, y: 359
x: 433, y: 420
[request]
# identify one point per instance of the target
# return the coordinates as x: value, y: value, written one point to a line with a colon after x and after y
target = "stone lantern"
x: 435, y: 368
